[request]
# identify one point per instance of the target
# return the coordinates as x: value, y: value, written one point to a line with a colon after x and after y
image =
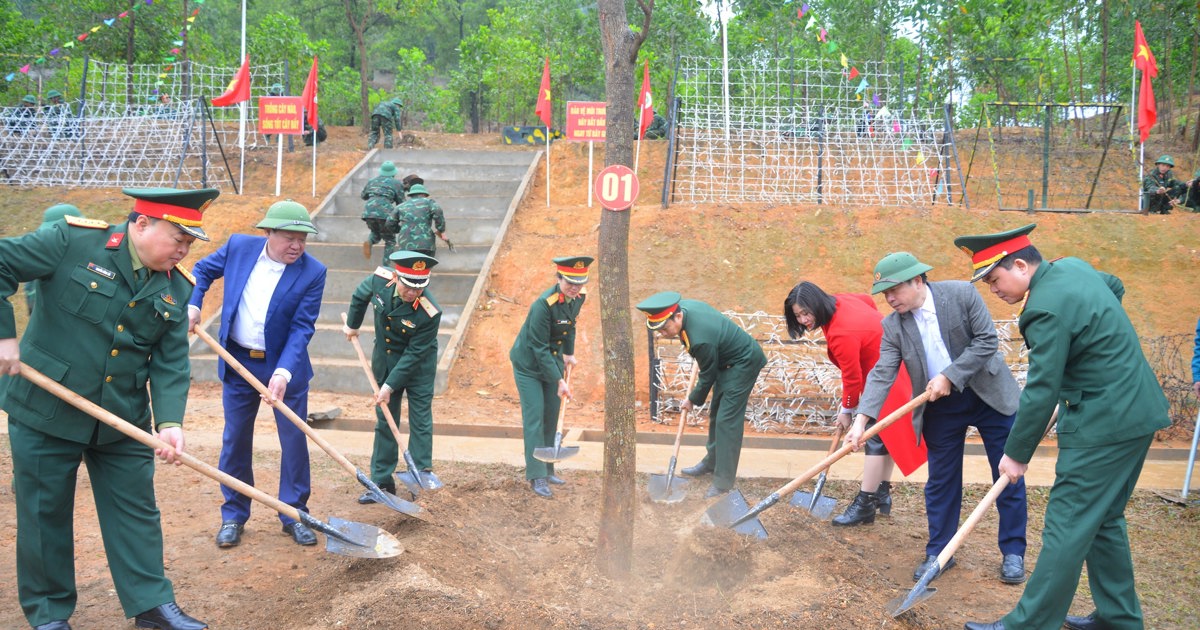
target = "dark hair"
x: 810, y: 297
x: 1029, y: 254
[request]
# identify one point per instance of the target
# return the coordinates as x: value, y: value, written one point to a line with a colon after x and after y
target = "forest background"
x: 474, y: 65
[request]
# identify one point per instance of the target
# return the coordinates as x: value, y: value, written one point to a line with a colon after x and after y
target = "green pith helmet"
x: 387, y: 169
x: 276, y: 89
x: 58, y: 211
x: 29, y: 98
x: 53, y: 94
x: 896, y: 268
x: 1166, y: 159
x: 289, y: 216
x: 417, y: 189
x: 398, y: 102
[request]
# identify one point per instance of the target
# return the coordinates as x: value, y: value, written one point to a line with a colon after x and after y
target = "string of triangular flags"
x: 82, y: 38
x: 862, y: 91
x: 169, y: 59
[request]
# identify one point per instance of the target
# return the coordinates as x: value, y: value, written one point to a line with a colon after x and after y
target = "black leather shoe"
x: 995, y: 625
x: 714, y: 491
x: 883, y: 498
x: 60, y: 624
x: 168, y: 617
x: 540, y: 487
x: 861, y: 511
x: 1083, y: 623
x: 699, y: 469
x: 230, y: 534
x: 554, y: 479
x: 1012, y: 570
x: 367, y: 498
x: 929, y: 560
x: 300, y: 533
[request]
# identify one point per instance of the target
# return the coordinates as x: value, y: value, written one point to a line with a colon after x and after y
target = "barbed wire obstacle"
x: 799, y: 390
x: 132, y: 126
x: 797, y: 131
x: 1043, y: 156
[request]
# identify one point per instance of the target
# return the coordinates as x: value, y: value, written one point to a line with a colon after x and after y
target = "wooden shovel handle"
x: 562, y: 403
x: 845, y: 449
x: 682, y: 415
x: 277, y: 404
x: 114, y: 421
x: 366, y: 366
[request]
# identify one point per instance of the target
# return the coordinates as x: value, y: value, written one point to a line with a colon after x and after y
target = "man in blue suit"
x: 272, y: 299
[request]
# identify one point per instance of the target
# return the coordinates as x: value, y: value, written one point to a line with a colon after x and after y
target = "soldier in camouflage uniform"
x: 385, y: 117
x: 1160, y: 189
x: 416, y: 221
x: 382, y: 194
x: 657, y: 129
x: 1190, y: 198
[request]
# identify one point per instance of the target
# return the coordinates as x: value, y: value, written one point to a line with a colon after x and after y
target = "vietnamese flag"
x: 645, y: 101
x: 309, y: 97
x: 543, y: 101
x: 239, y: 88
x: 1144, y: 60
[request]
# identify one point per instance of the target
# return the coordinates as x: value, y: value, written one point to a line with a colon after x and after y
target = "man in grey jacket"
x: 944, y: 329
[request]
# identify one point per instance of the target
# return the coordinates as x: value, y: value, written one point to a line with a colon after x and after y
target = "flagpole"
x: 279, y: 165
x: 547, y: 166
x: 590, y: 182
x: 242, y: 118
x: 314, y: 163
x: 637, y: 155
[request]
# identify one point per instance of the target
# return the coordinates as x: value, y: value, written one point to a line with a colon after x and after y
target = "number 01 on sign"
x: 616, y: 187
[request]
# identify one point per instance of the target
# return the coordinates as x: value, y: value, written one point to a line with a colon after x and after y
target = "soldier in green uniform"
x: 382, y: 194
x: 23, y: 119
x: 1190, y: 198
x: 416, y: 221
x: 1160, y: 189
x: 544, y: 348
x: 384, y: 118
x: 111, y: 319
x: 1086, y: 359
x: 657, y: 130
x: 52, y: 214
x: 407, y: 319
x: 729, y: 360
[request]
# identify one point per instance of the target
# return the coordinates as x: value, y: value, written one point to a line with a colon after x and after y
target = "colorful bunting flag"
x: 845, y: 61
x: 853, y: 73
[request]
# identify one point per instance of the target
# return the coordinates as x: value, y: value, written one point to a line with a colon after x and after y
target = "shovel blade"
x: 822, y: 509
x: 901, y: 605
x: 663, y: 492
x: 357, y: 540
x: 728, y: 510
x: 387, y: 499
x: 551, y: 454
x: 430, y: 481
x: 410, y: 480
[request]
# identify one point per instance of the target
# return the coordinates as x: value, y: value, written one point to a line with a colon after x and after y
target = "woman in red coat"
x: 852, y: 328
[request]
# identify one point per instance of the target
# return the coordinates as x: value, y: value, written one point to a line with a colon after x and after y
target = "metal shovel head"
x: 727, y: 511
x: 822, y: 509
x: 357, y: 540
x: 430, y: 481
x: 901, y: 605
x: 385, y: 498
x: 551, y: 454
x: 410, y: 480
x: 662, y: 492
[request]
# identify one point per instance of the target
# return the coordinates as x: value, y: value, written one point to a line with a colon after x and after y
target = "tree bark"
x: 359, y: 26
x: 614, y: 543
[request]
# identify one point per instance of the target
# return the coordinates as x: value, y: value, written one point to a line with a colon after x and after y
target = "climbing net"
x: 800, y: 132
x: 135, y: 125
x: 799, y: 390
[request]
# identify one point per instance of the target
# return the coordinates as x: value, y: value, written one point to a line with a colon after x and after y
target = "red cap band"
x: 176, y: 214
x: 663, y: 315
x: 989, y: 255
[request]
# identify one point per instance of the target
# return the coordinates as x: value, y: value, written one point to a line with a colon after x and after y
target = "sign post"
x: 616, y: 187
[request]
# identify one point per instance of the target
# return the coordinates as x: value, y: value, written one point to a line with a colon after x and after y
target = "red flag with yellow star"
x: 1144, y: 60
x: 543, y: 102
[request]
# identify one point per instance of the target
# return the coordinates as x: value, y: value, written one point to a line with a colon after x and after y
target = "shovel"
x: 558, y: 452
x: 668, y: 488
x: 347, y: 538
x: 819, y: 506
x: 411, y: 478
x: 380, y: 495
x: 922, y: 591
x: 732, y: 510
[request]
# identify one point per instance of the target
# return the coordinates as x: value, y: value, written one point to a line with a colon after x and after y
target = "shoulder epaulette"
x: 383, y: 272
x: 95, y: 224
x: 552, y: 299
x: 430, y: 309
x: 185, y: 273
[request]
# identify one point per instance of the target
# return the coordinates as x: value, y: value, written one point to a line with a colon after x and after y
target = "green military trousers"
x: 122, y: 477
x: 1085, y: 522
x: 386, y: 452
x: 727, y: 420
x: 539, y: 419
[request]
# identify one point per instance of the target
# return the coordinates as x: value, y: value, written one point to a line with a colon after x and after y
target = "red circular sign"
x: 616, y: 187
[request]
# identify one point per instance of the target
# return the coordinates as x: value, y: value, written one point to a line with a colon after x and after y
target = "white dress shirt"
x: 937, y: 356
x: 248, y: 329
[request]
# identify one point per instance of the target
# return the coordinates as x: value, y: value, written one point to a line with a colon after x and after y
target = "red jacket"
x: 852, y: 339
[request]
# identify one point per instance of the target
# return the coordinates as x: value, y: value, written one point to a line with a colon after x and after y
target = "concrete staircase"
x: 477, y: 190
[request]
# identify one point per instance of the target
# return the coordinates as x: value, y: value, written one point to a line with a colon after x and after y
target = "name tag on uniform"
x: 378, y: 301
x: 408, y: 323
x: 94, y: 268
x: 563, y: 322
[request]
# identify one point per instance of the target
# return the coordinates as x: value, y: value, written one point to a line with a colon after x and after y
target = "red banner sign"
x: 281, y: 115
x: 586, y: 121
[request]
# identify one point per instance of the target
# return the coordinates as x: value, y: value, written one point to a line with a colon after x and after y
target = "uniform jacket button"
x: 115, y: 352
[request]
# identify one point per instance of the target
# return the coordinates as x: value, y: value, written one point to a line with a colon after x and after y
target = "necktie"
x: 140, y: 276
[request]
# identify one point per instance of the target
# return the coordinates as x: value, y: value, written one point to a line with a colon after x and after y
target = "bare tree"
x: 614, y: 544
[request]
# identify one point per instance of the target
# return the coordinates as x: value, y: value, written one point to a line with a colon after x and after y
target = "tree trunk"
x: 359, y: 26
x: 1191, y: 88
x: 129, y: 58
x: 1104, y: 96
x: 614, y: 543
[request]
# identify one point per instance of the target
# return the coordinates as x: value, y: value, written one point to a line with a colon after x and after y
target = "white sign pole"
x: 279, y: 165
x: 590, y: 145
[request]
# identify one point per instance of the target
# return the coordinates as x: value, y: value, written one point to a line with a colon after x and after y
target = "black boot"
x: 861, y: 511
x: 883, y: 498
